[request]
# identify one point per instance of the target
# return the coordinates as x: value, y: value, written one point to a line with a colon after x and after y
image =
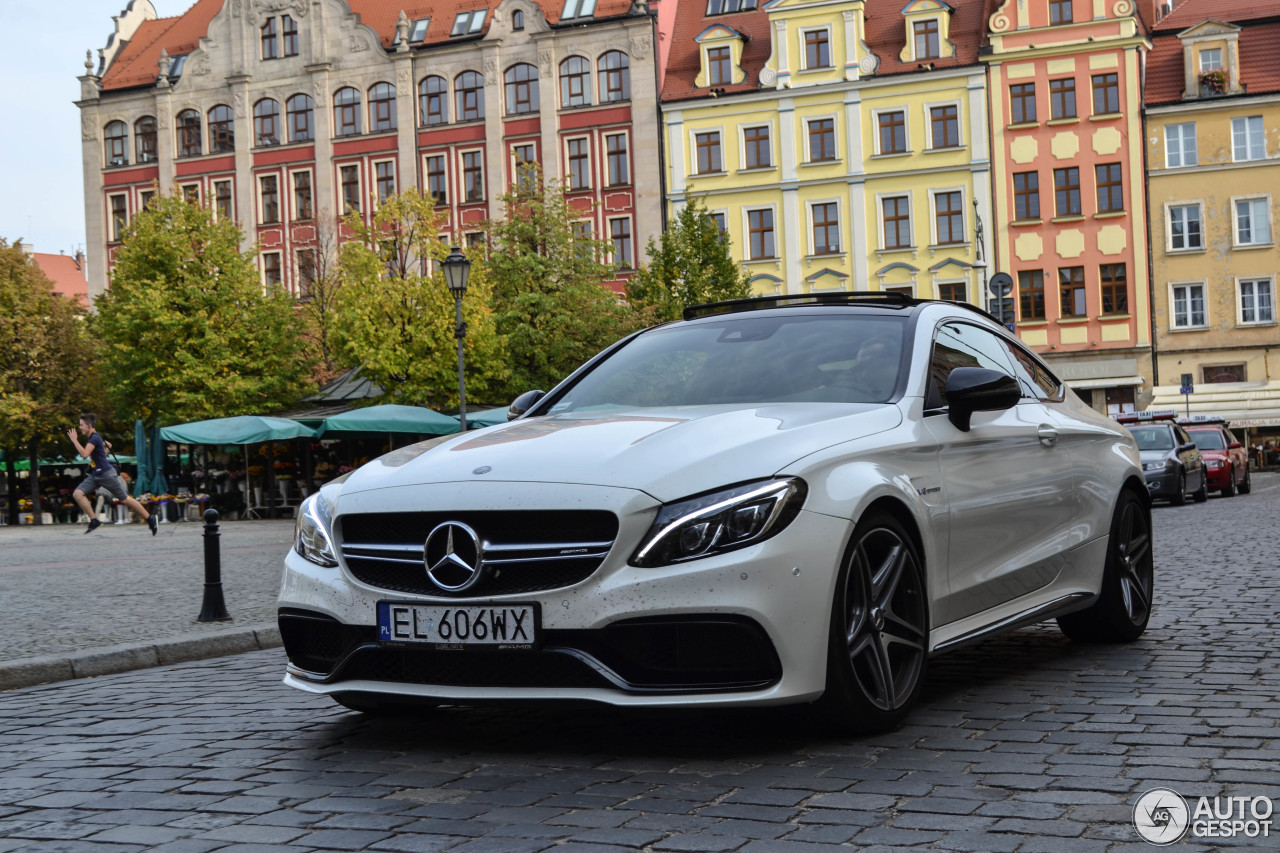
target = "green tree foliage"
x: 189, y: 331
x: 397, y: 323
x: 548, y: 286
x: 690, y: 264
x: 318, y: 301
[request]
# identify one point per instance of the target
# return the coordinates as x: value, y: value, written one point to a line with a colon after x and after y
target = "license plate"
x: 506, y: 626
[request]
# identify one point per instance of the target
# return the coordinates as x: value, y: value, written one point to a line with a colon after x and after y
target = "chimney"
x: 80, y: 260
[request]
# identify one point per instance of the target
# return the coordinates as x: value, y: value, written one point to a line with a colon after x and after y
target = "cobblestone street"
x: 1027, y: 743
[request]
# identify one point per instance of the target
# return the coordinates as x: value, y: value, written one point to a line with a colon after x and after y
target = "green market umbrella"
x: 142, y: 484
x: 486, y: 417
x: 389, y: 418
x: 159, y: 484
x: 243, y: 429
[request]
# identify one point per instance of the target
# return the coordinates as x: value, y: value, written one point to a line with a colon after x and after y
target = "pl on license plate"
x: 507, y: 626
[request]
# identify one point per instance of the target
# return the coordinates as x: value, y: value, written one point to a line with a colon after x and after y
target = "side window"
x: 1036, y: 380
x: 962, y: 345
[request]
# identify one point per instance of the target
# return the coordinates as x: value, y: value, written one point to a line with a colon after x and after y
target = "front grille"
x: 469, y: 669
x: 524, y: 551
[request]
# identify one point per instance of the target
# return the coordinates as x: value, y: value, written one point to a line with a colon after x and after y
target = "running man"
x: 102, y: 475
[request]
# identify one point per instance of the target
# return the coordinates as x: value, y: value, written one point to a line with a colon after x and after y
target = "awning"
x: 1105, y: 382
x: 413, y: 420
x: 486, y: 417
x: 1243, y: 404
x: 245, y: 429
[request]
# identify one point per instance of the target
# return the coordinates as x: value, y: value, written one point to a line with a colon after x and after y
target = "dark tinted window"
x: 1153, y: 437
x: 963, y: 345
x: 1208, y: 439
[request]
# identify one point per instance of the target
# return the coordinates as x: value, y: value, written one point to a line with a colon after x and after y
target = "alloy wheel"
x: 1133, y: 549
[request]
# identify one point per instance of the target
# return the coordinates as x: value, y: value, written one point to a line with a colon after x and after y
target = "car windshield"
x: 837, y: 358
x: 1207, y: 439
x: 1153, y: 437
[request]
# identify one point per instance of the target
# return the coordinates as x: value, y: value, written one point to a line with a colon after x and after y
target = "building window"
x: 269, y: 42
x: 1211, y: 59
x: 271, y: 276
x: 1026, y: 195
x: 817, y: 49
x: 897, y: 222
x: 708, y: 148
x: 517, y: 20
x: 346, y: 112
x: 1060, y: 12
x: 115, y: 140
x: 1110, y: 188
x: 826, y: 228
x: 222, y: 200
x: 620, y: 235
x: 1184, y: 227
x: 144, y: 136
x: 578, y: 9
x: 523, y: 160
x: 433, y: 101
x: 1256, y: 303
x: 926, y: 39
x: 822, y: 140
x: 385, y: 176
x: 945, y: 124
x: 302, y: 195
x: 1022, y: 102
x: 437, y: 178
x: 299, y: 110
x: 615, y: 77
x: 579, y: 164
x: 522, y: 89
x: 1066, y: 186
x: 1071, y: 289
x: 468, y: 23
x: 350, y: 180
x: 269, y: 194
x: 266, y: 118
x: 721, y: 222
x: 144, y: 198
x: 1180, y: 145
x: 949, y: 217
x: 719, y: 66
x: 1106, y: 94
x: 188, y: 125
x: 191, y: 193
x: 760, y: 233
x: 119, y: 216
x: 1246, y: 139
x: 1188, y: 306
x: 472, y: 176
x: 1031, y: 294
x: 222, y: 130
x: 468, y: 88
x: 758, y: 150
x: 289, y: 28
x: 575, y: 82
x: 1062, y: 98
x: 725, y: 7
x: 893, y: 132
x: 1115, y: 288
x: 1253, y: 224
x: 952, y: 291
x: 382, y: 108
x: 619, y: 159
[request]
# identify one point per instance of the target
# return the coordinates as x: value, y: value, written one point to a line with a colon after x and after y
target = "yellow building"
x: 1212, y: 146
x: 838, y: 153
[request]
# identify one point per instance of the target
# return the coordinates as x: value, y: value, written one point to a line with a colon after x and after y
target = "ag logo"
x: 1161, y: 816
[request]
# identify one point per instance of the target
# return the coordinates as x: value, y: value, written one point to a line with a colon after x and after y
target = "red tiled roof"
x: 1188, y: 13
x: 1259, y: 43
x: 136, y: 64
x: 66, y: 274
x: 887, y: 34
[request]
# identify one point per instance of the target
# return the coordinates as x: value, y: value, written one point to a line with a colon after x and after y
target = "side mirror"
x: 1235, y: 445
x: 976, y: 389
x: 524, y: 403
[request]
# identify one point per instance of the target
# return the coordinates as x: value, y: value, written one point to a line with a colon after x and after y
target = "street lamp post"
x: 457, y: 269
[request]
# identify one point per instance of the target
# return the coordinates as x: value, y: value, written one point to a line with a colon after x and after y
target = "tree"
x: 549, y: 290
x: 689, y: 265
x: 395, y: 315
x: 318, y: 301
x: 189, y: 329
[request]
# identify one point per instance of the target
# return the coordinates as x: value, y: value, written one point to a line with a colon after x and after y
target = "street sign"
x: 1001, y: 284
x: 1188, y: 384
x: 1001, y: 309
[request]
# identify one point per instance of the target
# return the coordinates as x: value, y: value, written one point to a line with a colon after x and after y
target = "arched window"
x: 115, y: 140
x: 144, y: 134
x: 382, y: 108
x: 575, y: 82
x: 468, y: 87
x: 299, y: 110
x: 188, y: 133
x: 615, y: 77
x: 222, y: 130
x: 266, y: 123
x: 517, y: 20
x: 522, y: 89
x: 346, y: 112
x: 433, y: 101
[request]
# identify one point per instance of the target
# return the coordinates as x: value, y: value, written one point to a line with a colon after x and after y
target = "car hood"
x: 668, y: 453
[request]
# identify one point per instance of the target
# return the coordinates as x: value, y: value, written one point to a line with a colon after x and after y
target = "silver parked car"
x: 776, y: 500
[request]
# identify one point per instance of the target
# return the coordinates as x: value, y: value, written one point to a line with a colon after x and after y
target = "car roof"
x: 858, y: 298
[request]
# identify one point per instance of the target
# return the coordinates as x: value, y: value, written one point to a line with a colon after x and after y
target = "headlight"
x: 312, y: 532
x: 720, y: 521
x: 1153, y: 466
x: 1215, y: 464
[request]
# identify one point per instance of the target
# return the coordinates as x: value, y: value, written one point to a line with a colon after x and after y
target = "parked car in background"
x: 776, y: 500
x: 1173, y: 466
x: 1225, y: 458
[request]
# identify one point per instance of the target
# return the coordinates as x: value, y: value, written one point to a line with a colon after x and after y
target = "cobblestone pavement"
x: 1027, y: 743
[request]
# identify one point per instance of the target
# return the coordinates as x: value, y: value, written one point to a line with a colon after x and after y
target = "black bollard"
x: 214, y: 609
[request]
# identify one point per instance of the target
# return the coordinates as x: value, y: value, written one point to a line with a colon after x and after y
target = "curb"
x: 89, y: 663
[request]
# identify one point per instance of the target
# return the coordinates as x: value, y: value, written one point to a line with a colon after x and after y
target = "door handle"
x: 1048, y: 435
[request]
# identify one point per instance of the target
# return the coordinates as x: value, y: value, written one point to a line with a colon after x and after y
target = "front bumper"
x: 1163, y: 483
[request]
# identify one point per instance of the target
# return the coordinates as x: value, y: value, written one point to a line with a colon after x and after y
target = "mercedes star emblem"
x: 453, y: 556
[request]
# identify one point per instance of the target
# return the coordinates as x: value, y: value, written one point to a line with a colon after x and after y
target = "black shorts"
x: 107, y: 482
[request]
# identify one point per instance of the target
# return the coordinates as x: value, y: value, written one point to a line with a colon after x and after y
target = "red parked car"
x: 1225, y: 458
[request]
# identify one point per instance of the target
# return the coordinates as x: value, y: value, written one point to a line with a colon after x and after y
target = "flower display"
x: 1214, y: 80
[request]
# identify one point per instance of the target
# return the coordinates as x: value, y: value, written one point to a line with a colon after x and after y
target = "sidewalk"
x: 74, y: 605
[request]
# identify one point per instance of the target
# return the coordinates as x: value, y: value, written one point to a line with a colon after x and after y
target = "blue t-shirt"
x: 98, y: 455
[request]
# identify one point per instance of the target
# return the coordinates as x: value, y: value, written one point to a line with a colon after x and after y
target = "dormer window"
x: 817, y: 49
x: 1211, y: 59
x: 419, y: 31
x: 926, y: 39
x: 578, y: 9
x: 468, y: 23
x: 176, y: 66
x: 517, y: 20
x: 726, y: 7
x: 719, y: 66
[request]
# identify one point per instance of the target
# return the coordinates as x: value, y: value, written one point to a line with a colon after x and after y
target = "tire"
x: 379, y: 705
x: 1123, y: 607
x: 1230, y: 490
x: 1202, y: 494
x: 1180, y: 494
x: 878, y: 643
x: 1246, y: 485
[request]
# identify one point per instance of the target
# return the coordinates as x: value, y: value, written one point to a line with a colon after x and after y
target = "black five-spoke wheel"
x: 1123, y: 607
